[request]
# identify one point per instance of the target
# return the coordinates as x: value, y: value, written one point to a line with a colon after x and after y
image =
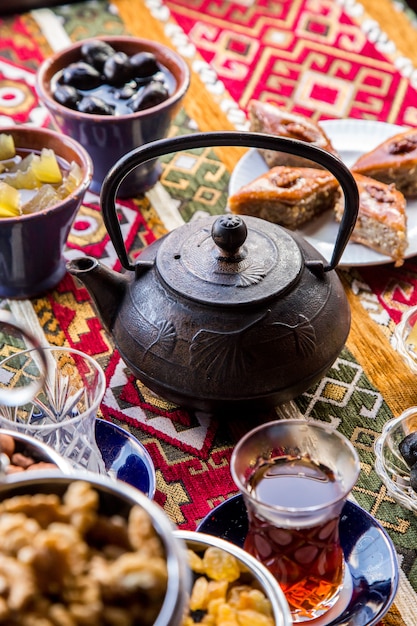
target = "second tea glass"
x: 62, y: 413
x: 295, y: 477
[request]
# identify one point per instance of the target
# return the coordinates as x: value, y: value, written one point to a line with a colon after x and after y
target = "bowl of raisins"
x: 228, y: 581
x: 44, y: 176
x: 114, y: 94
x: 396, y: 458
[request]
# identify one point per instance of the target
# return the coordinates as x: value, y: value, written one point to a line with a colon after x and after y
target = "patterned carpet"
x: 324, y: 59
x: 315, y: 61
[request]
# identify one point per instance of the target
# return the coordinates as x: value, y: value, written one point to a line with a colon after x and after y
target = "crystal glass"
x: 295, y: 477
x: 62, y: 412
x: 390, y: 464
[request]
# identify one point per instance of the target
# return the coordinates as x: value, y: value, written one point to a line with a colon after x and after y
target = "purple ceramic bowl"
x: 31, y: 246
x: 109, y: 137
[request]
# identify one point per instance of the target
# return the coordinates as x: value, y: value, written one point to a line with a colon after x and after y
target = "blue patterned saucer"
x: 369, y: 554
x: 125, y: 458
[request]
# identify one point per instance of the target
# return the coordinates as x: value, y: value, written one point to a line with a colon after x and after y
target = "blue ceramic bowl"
x: 125, y: 457
x: 31, y: 246
x: 109, y: 137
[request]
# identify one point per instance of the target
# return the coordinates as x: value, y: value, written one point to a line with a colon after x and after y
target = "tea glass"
x: 295, y: 477
x: 62, y: 412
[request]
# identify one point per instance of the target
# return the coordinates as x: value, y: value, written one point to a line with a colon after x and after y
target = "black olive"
x: 143, y: 64
x: 126, y: 92
x: 150, y: 96
x: 81, y: 76
x: 408, y: 449
x: 96, y: 52
x: 158, y: 77
x: 413, y: 477
x: 92, y: 104
x: 116, y: 69
x: 67, y: 96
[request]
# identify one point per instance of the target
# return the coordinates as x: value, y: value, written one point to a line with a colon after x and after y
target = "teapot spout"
x: 106, y: 287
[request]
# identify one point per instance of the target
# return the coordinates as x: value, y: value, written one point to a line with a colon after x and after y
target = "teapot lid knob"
x: 229, y: 233
x: 229, y: 261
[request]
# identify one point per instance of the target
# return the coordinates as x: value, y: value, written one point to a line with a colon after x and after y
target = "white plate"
x: 350, y: 138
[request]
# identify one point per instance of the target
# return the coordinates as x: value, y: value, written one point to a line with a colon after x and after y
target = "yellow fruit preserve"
x: 31, y: 181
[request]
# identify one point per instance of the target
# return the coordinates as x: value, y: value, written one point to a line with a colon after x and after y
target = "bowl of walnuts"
x: 86, y: 549
x: 396, y: 458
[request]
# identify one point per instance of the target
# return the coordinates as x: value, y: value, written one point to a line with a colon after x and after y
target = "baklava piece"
x: 393, y: 161
x: 288, y: 196
x: 382, y: 218
x: 268, y: 118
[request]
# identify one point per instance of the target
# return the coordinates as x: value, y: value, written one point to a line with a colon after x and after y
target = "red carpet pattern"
x: 308, y: 57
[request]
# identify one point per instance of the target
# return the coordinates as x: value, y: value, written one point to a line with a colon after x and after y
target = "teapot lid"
x: 229, y: 261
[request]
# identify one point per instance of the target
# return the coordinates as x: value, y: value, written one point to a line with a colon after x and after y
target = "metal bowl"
x: 262, y: 578
x: 117, y: 498
x: 37, y: 450
x: 390, y: 465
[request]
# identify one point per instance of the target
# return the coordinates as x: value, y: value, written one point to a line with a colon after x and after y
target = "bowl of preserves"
x: 229, y: 585
x: 44, y: 176
x: 396, y: 458
x: 84, y: 548
x: 114, y: 94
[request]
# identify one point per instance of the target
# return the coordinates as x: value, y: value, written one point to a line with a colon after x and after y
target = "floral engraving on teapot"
x: 251, y: 274
x: 166, y: 336
x: 304, y: 335
x: 220, y: 351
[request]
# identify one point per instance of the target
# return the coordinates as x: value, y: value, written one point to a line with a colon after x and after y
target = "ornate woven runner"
x: 325, y: 59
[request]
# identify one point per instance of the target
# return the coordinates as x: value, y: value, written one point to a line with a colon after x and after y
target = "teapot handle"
x: 161, y: 147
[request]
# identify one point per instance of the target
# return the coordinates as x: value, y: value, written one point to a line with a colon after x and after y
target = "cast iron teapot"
x: 224, y: 314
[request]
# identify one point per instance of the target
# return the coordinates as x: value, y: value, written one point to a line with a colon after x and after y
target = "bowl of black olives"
x: 396, y: 458
x: 114, y: 94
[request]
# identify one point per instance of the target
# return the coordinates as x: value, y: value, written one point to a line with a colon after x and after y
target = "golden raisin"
x: 220, y: 565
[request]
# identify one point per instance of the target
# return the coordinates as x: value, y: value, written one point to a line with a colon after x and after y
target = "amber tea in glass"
x: 295, y: 477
